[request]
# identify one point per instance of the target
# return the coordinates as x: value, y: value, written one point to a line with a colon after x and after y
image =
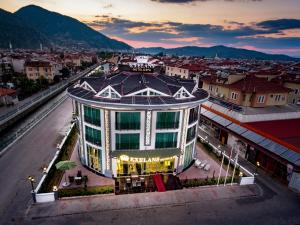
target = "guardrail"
x: 63, y: 84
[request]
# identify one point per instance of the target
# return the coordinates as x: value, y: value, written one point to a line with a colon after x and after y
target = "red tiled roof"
x: 260, y: 85
x: 6, y: 91
x: 37, y: 64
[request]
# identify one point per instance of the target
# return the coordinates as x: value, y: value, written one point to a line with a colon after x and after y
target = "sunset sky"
x: 271, y: 26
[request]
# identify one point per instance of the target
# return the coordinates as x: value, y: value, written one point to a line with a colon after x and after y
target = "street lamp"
x: 257, y: 165
x: 45, y: 169
x: 32, y: 180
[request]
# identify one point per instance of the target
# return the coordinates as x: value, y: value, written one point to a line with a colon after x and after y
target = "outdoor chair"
x: 202, y: 165
x: 207, y: 167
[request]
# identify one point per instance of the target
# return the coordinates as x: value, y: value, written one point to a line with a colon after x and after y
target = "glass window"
x: 191, y: 133
x: 188, y: 155
x: 127, y: 120
x: 166, y: 140
x: 94, y: 158
x: 93, y: 135
x: 193, y: 115
x: 92, y: 116
x: 127, y: 141
x: 167, y: 120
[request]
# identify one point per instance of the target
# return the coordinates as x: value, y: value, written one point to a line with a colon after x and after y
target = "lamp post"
x: 221, y: 166
x: 32, y: 180
x: 257, y: 166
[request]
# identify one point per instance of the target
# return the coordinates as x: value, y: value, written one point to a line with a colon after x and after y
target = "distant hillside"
x: 14, y: 30
x: 222, y: 51
x: 66, y: 31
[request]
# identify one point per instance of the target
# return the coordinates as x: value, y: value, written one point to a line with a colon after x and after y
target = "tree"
x: 65, y: 72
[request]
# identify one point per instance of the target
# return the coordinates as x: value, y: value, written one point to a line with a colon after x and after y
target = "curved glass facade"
x: 92, y: 115
x: 166, y: 140
x: 167, y: 120
x: 128, y: 120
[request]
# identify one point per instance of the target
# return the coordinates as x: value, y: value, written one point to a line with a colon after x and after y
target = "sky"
x: 271, y: 26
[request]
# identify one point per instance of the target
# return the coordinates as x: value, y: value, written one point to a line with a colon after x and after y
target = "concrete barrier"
x: 246, y: 180
x: 45, y: 197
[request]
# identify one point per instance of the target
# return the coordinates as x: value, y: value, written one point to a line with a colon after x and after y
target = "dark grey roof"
x: 128, y: 82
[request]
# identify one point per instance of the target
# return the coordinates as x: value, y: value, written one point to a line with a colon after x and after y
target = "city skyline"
x: 267, y: 26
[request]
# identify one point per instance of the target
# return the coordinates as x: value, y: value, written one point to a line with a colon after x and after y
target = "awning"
x: 161, y: 153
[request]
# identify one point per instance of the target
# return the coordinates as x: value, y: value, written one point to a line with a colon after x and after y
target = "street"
x: 27, y: 157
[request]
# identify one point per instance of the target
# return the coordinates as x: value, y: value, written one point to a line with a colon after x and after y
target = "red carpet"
x: 159, y: 183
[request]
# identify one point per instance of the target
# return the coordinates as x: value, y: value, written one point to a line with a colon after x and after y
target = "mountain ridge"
x: 221, y: 50
x: 52, y: 29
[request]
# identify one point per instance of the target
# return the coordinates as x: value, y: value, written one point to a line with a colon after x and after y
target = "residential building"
x: 247, y: 90
x: 8, y: 96
x: 36, y: 69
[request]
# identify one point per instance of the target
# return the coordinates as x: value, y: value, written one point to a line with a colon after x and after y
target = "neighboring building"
x: 137, y: 122
x: 18, y: 64
x: 8, y: 96
x: 269, y: 135
x: 36, y: 69
x: 294, y: 85
x: 185, y: 71
x: 5, y: 69
x: 247, y: 90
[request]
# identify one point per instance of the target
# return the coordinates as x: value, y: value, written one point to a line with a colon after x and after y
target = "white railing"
x: 249, y: 179
x: 50, y: 196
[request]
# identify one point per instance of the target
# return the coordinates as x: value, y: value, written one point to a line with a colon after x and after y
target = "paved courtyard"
x: 93, y: 179
x: 194, y: 172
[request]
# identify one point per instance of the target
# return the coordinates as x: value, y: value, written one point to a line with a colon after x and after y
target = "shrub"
x: 70, y: 192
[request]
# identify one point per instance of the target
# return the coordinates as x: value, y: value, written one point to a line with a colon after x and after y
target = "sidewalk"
x: 93, y: 179
x: 197, y: 173
x: 81, y: 205
x: 243, y: 162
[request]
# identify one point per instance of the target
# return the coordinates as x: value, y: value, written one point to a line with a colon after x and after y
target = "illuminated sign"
x: 141, y: 69
x: 141, y: 160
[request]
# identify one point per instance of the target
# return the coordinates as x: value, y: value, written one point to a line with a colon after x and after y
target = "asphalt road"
x: 27, y: 157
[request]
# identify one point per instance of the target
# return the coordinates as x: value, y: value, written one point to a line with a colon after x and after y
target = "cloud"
x: 270, y: 34
x: 280, y: 24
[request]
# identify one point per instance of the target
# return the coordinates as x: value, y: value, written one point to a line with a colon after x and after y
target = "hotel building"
x: 137, y: 121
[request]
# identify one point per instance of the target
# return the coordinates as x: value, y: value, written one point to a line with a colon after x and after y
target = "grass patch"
x: 70, y: 192
x: 54, y: 176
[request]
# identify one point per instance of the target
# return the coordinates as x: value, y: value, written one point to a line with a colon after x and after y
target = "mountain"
x: 20, y: 34
x: 66, y: 31
x: 222, y: 51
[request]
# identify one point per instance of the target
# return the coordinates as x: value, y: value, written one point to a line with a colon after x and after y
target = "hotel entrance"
x: 147, y: 162
x: 128, y: 165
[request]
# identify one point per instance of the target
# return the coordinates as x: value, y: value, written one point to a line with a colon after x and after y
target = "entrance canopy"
x: 157, y: 153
